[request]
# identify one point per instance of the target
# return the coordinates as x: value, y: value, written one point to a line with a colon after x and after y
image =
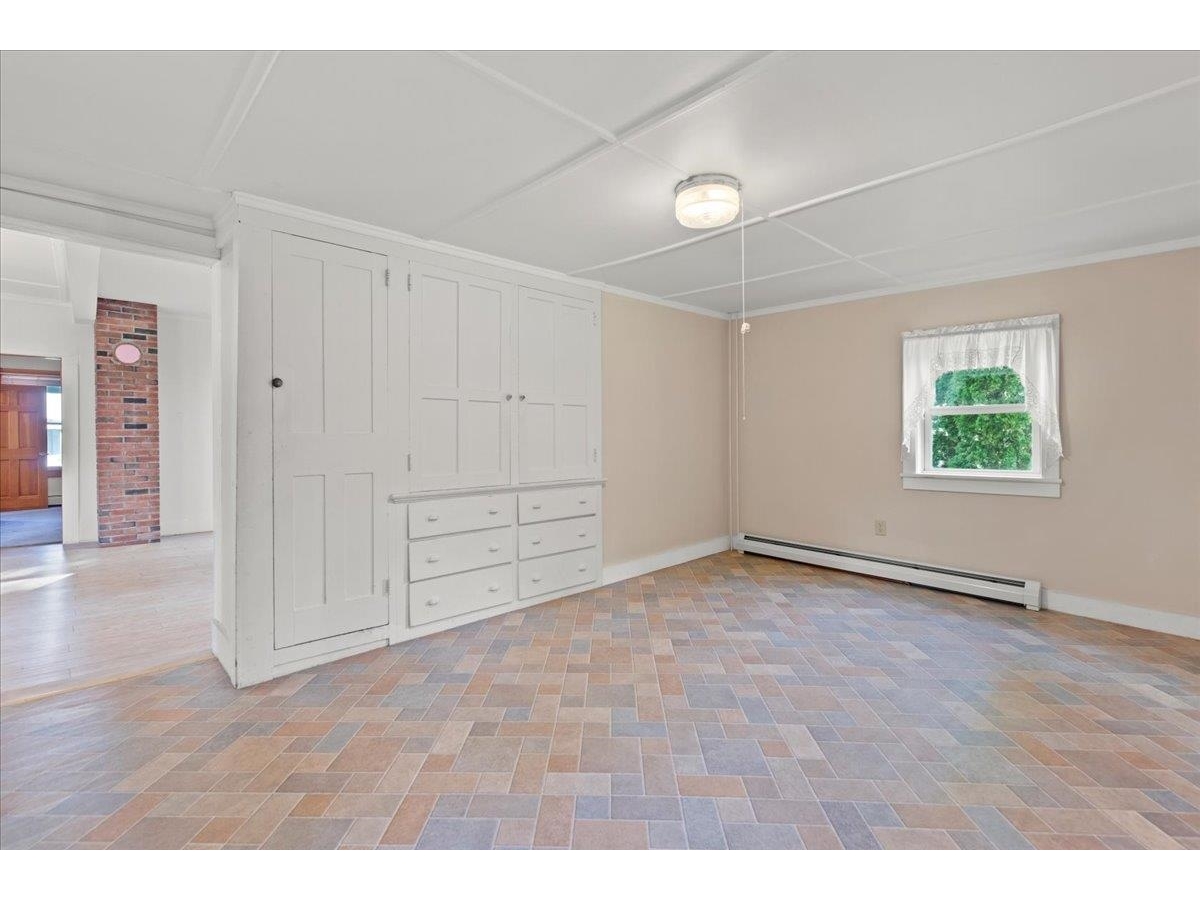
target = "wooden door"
x: 22, y: 447
x: 329, y: 353
x: 557, y: 375
x: 462, y: 396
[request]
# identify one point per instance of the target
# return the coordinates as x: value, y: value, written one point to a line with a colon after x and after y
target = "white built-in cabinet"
x: 557, y: 378
x: 329, y: 355
x: 462, y: 380
x: 433, y: 441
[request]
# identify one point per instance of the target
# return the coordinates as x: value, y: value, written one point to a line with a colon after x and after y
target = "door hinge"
x: 410, y: 462
x: 595, y: 455
x: 410, y: 281
x: 387, y: 587
x: 595, y: 318
x: 387, y: 277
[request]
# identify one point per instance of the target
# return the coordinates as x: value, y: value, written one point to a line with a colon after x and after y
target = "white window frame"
x: 918, y: 472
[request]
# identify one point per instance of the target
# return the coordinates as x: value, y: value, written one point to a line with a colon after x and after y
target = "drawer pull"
x: 536, y: 578
x: 583, y: 501
x: 536, y: 541
x: 492, y: 588
x: 493, y: 511
x: 432, y: 559
x: 537, y: 506
x: 432, y: 517
x: 493, y: 548
x: 432, y: 601
x: 583, y: 567
x: 581, y: 534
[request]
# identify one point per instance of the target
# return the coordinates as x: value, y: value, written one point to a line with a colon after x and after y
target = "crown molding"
x: 228, y: 216
x: 954, y: 280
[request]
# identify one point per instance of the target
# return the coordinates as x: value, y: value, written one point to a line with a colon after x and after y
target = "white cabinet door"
x: 558, y: 375
x: 329, y: 357
x: 461, y: 407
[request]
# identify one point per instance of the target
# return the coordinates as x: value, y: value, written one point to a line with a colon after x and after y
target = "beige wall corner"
x: 666, y: 429
x: 820, y: 459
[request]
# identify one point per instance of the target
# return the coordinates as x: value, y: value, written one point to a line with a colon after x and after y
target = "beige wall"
x: 820, y: 456
x: 666, y: 429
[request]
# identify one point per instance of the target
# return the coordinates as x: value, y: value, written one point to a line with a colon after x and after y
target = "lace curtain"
x: 1027, y: 346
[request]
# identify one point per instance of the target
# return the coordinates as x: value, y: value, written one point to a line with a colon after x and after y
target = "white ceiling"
x: 873, y: 171
x: 31, y: 269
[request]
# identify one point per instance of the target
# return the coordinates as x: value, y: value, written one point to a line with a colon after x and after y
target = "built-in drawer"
x: 554, y: 573
x: 451, y: 514
x: 454, y: 595
x: 459, y: 552
x: 544, y: 538
x: 542, y: 506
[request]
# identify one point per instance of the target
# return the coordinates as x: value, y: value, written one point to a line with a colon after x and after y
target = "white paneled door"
x: 462, y: 394
x: 329, y: 358
x: 558, y: 384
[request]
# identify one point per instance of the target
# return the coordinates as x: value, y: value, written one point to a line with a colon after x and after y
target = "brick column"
x: 127, y: 424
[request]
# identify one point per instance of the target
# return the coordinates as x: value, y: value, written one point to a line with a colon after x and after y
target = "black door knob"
x: 276, y: 382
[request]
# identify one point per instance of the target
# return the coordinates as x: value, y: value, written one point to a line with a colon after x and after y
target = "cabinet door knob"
x: 492, y: 588
x: 431, y: 518
x: 277, y: 382
x: 508, y: 396
x: 432, y: 559
x: 522, y: 397
x: 432, y: 601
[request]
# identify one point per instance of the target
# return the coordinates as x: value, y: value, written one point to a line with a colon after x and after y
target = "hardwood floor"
x: 82, y: 616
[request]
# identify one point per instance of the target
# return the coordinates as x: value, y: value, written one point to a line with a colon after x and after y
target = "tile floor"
x: 733, y: 702
x: 72, y: 616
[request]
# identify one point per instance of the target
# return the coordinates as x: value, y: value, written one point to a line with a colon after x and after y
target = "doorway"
x: 31, y: 442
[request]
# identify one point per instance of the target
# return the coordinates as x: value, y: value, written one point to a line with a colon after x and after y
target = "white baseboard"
x: 673, y: 557
x: 1123, y: 614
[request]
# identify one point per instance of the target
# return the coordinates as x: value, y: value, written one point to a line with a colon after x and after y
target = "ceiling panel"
x: 616, y: 88
x: 770, y: 248
x: 1166, y: 216
x: 1146, y: 147
x: 405, y: 140
x: 152, y: 112
x: 615, y: 205
x: 834, y: 280
x: 821, y: 122
x: 27, y: 257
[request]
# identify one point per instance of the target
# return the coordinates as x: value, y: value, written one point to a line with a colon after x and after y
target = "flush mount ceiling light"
x: 707, y: 201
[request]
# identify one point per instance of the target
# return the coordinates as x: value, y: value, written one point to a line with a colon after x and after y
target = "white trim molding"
x: 979, y: 484
x: 1178, y: 624
x: 635, y: 568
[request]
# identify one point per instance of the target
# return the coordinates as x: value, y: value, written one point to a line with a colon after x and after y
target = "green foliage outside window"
x: 1002, y: 441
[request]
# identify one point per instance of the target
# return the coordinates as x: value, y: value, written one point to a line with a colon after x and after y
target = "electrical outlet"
x: 881, y: 528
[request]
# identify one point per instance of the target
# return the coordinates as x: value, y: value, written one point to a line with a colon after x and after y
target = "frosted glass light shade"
x: 707, y: 201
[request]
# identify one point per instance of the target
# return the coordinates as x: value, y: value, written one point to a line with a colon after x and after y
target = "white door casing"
x: 462, y: 394
x: 331, y: 460
x: 558, y: 383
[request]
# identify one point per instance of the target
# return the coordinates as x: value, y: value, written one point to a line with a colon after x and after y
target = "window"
x: 54, y: 427
x: 981, y: 408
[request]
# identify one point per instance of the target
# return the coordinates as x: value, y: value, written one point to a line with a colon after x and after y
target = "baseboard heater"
x: 978, y: 584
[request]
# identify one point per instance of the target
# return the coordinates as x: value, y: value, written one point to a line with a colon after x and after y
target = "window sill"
x: 984, y: 484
